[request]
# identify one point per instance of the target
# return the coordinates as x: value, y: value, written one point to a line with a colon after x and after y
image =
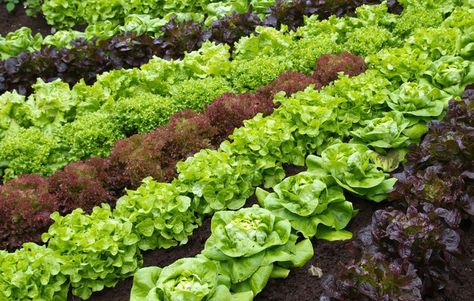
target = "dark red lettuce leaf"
x: 231, y: 28
x: 25, y: 207
x: 329, y: 65
x: 180, y: 37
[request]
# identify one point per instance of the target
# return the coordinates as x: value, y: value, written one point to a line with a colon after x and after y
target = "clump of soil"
x: 11, y: 21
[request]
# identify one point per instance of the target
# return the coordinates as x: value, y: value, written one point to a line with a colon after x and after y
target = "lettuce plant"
x: 85, y: 240
x: 389, y: 131
x: 231, y: 28
x: 25, y: 207
x: 451, y: 74
x: 354, y: 168
x: 314, y: 207
x: 160, y: 216
x: 400, y: 64
x: 210, y: 178
x: 419, y: 99
x: 373, y: 278
x: 185, y: 279
x: 252, y: 245
x: 330, y: 65
x: 33, y: 273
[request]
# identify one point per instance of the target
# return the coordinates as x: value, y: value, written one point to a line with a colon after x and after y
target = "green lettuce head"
x: 390, y: 131
x: 187, y: 279
x: 313, y: 207
x: 419, y: 99
x: 451, y: 73
x: 354, y: 168
x: 252, y: 245
x: 247, y: 232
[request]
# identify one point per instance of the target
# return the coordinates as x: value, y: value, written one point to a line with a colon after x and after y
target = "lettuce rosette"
x: 419, y: 100
x: 253, y: 245
x: 353, y: 167
x: 389, y: 131
x: 190, y: 279
x: 313, y: 207
x: 451, y: 73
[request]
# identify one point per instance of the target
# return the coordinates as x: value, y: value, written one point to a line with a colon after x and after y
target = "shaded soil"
x: 300, y: 284
x: 12, y: 21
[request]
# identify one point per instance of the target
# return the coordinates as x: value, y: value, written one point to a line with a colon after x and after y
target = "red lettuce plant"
x: 330, y: 65
x: 406, y: 254
x: 231, y: 28
x: 25, y: 206
x: 81, y: 185
x: 289, y: 82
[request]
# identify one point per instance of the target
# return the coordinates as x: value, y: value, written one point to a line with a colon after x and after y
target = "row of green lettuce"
x: 290, y: 13
x: 21, y: 40
x: 90, y: 252
x: 73, y: 124
x: 86, y: 59
x: 140, y: 22
x: 65, y: 14
x: 249, y: 246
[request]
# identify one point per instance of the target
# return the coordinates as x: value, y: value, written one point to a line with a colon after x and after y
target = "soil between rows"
x: 17, y: 18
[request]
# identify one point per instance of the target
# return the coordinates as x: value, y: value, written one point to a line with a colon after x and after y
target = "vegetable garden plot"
x: 330, y: 124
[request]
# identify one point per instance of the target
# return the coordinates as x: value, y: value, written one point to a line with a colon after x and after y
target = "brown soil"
x: 12, y: 21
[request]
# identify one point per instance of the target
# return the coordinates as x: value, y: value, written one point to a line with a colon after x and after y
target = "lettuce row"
x: 246, y: 248
x: 66, y: 14
x: 407, y: 252
x: 224, y: 30
x: 298, y: 138
x: 161, y: 86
